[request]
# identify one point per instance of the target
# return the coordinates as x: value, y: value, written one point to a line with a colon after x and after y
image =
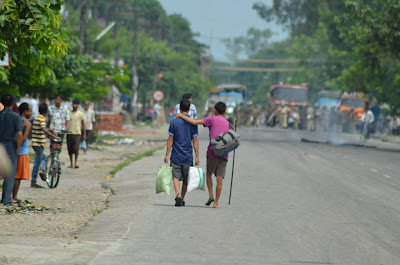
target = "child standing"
x: 39, y: 132
x: 25, y: 111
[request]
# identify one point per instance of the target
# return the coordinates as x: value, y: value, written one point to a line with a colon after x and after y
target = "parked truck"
x: 232, y: 95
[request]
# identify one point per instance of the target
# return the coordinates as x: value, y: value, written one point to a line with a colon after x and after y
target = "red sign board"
x: 158, y: 95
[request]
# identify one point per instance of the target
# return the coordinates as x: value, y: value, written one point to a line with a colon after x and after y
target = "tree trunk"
x: 83, y: 30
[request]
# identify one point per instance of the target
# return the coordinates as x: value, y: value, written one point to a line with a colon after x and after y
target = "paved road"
x: 292, y: 203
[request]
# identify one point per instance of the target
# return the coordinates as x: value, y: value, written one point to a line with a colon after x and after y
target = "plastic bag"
x: 196, y: 179
x: 164, y: 177
x: 83, y: 145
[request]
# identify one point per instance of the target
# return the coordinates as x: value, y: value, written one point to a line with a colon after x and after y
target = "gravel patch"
x: 81, y: 195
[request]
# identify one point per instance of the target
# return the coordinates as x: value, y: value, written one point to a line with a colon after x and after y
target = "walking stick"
x: 233, y: 167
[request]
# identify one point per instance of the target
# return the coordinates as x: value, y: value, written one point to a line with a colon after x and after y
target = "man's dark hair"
x: 220, y: 107
x: 59, y: 95
x: 187, y: 96
x: 75, y: 101
x: 43, y: 108
x: 23, y: 107
x: 185, y: 105
x: 7, y: 100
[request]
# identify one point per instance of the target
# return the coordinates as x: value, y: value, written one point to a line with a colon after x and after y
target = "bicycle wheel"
x: 56, y: 178
x: 51, y: 171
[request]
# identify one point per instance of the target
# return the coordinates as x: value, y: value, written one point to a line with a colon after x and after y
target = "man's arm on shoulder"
x: 190, y: 120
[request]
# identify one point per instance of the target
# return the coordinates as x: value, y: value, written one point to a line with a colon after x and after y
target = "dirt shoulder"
x: 81, y: 194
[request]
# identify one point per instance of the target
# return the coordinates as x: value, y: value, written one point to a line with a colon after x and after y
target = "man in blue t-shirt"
x: 181, y: 135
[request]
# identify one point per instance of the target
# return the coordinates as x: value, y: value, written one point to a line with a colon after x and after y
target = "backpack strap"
x: 219, y: 138
x: 233, y: 137
x: 230, y: 124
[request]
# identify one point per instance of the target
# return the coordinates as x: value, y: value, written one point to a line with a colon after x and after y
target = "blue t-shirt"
x: 10, y: 124
x: 183, y: 133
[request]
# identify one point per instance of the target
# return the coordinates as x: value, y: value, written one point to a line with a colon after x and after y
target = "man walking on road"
x: 192, y: 111
x: 181, y: 135
x: 215, y: 165
x: 77, y: 126
x: 11, y: 138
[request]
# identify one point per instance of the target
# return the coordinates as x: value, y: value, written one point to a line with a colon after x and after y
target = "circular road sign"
x: 158, y: 95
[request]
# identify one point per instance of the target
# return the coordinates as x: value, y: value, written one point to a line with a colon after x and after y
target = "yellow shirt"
x: 38, y: 135
x: 75, y: 123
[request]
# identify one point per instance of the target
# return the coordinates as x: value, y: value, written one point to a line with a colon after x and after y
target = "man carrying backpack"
x: 215, y: 165
x: 181, y: 135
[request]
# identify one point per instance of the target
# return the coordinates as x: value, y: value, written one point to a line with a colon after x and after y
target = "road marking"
x: 387, y: 176
x: 374, y: 170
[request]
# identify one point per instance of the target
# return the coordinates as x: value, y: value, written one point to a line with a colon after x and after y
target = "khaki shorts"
x: 180, y: 172
x: 217, y: 166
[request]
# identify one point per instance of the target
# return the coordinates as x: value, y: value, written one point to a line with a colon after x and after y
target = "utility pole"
x: 155, y: 72
x: 135, y: 77
x: 82, y: 28
x: 115, y: 32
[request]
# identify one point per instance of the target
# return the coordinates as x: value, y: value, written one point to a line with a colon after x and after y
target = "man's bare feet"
x: 217, y: 206
x: 16, y: 200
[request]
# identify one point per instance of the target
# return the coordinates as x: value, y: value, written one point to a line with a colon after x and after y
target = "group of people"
x: 247, y: 115
x: 17, y: 127
x: 183, y: 133
x: 317, y: 119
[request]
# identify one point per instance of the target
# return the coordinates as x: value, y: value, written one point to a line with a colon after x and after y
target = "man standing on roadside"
x: 215, y: 165
x: 192, y: 111
x: 77, y: 126
x: 11, y: 138
x: 89, y: 120
x: 181, y: 135
x: 58, y: 117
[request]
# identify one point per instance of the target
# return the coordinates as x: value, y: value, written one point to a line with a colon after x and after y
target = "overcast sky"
x: 218, y: 19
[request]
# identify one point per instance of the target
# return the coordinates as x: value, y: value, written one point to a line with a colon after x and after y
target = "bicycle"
x: 53, y: 163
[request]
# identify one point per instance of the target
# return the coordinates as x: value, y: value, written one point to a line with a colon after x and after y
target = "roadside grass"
x: 109, y: 137
x: 97, y: 212
x: 131, y: 159
x: 31, y: 157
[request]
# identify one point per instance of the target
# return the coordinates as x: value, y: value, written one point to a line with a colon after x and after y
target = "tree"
x: 33, y: 39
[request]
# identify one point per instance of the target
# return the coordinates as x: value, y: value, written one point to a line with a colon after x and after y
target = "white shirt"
x: 89, y: 118
x: 369, y: 117
x: 192, y: 111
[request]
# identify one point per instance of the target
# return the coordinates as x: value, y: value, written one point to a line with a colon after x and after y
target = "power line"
x: 253, y: 69
x: 270, y: 60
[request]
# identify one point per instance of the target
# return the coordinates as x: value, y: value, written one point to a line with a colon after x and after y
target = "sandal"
x: 209, y: 202
x: 178, y: 201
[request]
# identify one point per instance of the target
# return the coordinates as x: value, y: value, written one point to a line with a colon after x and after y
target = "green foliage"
x: 45, y: 50
x: 33, y: 38
x: 352, y: 45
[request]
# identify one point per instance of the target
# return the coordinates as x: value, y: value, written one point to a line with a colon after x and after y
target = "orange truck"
x: 358, y: 104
